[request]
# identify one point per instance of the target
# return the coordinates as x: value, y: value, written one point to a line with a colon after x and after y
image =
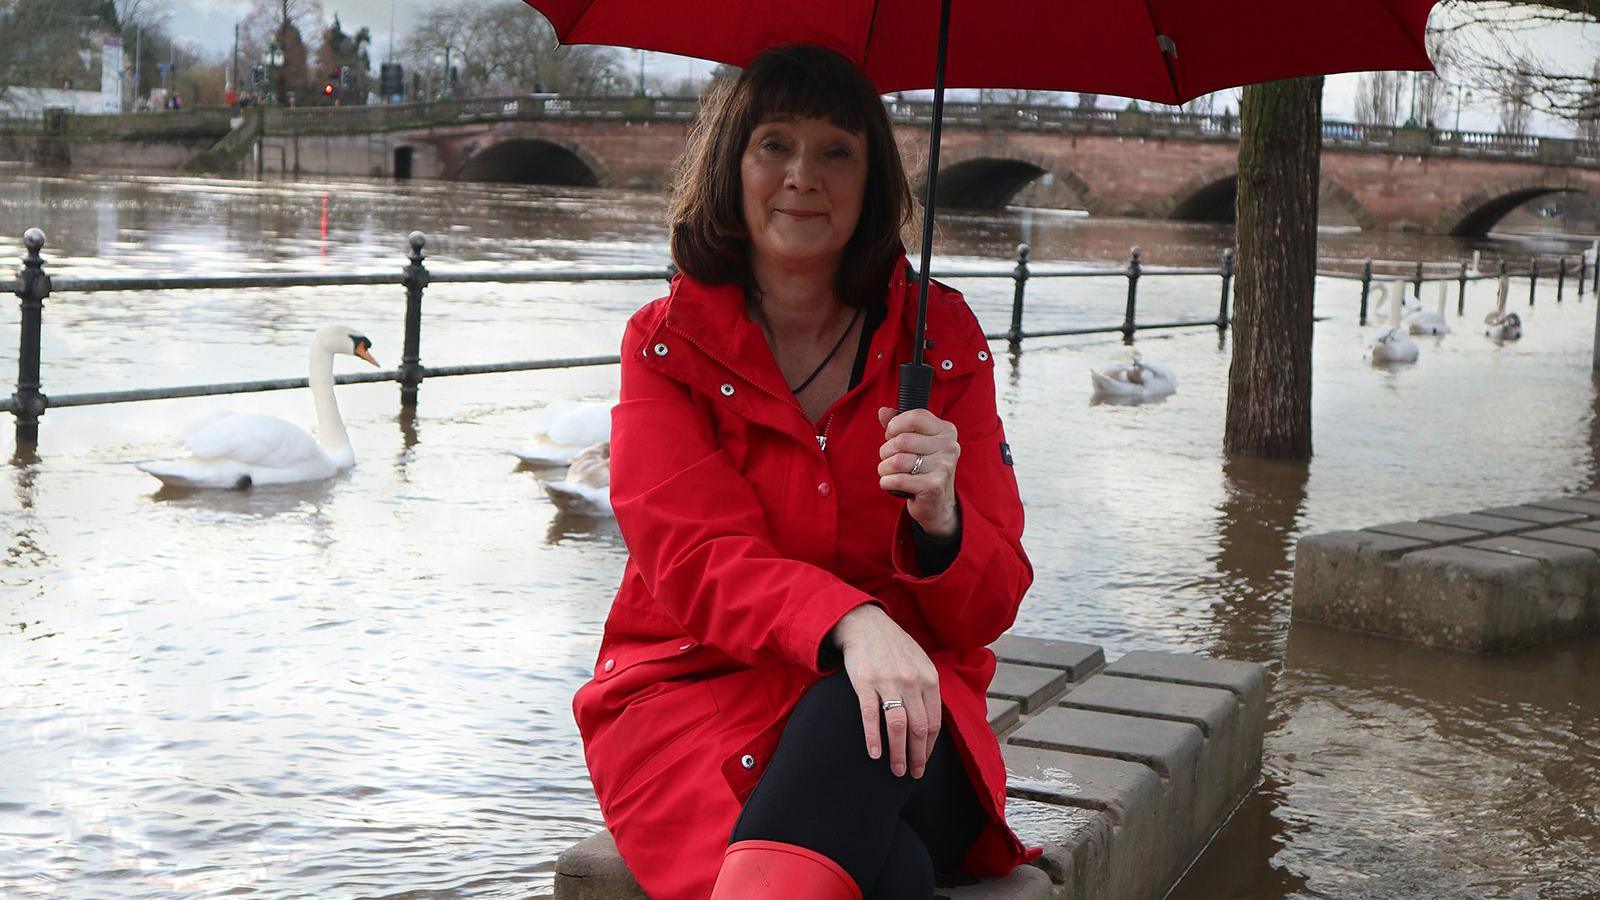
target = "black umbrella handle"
x: 916, y: 380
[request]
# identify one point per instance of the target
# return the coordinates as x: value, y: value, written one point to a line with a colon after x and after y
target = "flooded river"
x: 361, y: 688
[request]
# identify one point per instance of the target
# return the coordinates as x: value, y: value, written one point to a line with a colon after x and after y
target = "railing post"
x: 1461, y: 294
x: 1416, y: 283
x: 1133, y: 296
x: 29, y: 403
x: 416, y: 278
x: 1366, y: 287
x: 1020, y: 276
x: 1583, y: 272
x: 1227, y: 282
x: 1533, y: 277
x: 1561, y: 276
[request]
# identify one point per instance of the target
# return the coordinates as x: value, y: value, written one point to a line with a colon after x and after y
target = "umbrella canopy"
x: 1168, y: 51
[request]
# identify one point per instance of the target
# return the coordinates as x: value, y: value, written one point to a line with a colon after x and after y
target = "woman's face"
x: 803, y: 181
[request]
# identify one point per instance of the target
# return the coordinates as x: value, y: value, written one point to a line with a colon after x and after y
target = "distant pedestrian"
x: 177, y: 101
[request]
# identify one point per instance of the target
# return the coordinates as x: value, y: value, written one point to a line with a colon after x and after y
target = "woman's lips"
x: 801, y: 213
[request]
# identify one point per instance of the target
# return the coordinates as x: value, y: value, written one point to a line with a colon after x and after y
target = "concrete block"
x: 1024, y: 883
x: 1136, y: 856
x: 1572, y: 537
x: 1485, y: 524
x: 1077, y: 660
x: 1584, y: 506
x: 1209, y: 709
x: 1237, y: 745
x: 1003, y: 713
x: 593, y: 870
x: 1536, y: 514
x: 1029, y: 686
x: 1473, y: 598
x: 1339, y: 573
x: 1431, y: 532
x: 1171, y: 748
x: 1076, y: 843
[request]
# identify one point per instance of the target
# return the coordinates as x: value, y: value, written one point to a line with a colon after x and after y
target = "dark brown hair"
x: 710, y: 240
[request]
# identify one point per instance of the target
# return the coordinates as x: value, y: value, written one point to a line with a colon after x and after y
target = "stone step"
x: 1122, y: 773
x: 1494, y: 579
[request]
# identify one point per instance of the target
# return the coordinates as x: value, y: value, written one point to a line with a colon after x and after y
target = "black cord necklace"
x: 831, y: 353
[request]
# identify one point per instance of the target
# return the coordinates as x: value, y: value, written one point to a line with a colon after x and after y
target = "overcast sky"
x: 209, y: 24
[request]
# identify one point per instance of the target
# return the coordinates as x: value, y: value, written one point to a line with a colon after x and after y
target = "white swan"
x: 1392, y: 344
x: 1502, y: 325
x: 586, y: 489
x: 239, y: 450
x: 1402, y: 289
x: 1425, y: 322
x: 1135, y: 381
x: 564, y: 428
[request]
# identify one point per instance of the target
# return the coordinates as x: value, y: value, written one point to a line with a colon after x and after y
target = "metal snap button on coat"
x: 983, y: 356
x: 824, y: 489
x: 661, y: 349
x: 947, y: 365
x: 748, y: 761
x: 610, y: 664
x: 727, y: 390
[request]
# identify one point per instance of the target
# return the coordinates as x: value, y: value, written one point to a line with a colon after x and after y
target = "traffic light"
x: 258, y: 75
x: 346, y: 78
x: 327, y: 89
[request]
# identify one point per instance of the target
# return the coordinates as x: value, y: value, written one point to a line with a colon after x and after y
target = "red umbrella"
x: 1168, y: 51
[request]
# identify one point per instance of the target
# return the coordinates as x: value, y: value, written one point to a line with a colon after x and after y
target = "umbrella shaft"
x: 932, y: 187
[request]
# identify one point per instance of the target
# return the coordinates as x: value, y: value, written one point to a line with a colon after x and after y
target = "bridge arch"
x: 1212, y: 195
x: 978, y: 179
x: 533, y: 159
x: 1480, y: 210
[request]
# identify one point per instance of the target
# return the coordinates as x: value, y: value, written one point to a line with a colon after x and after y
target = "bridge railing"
x: 33, y: 285
x: 1135, y: 122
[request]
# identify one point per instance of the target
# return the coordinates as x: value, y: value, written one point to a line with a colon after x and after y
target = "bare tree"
x: 1378, y: 98
x: 1516, y: 103
x: 504, y: 46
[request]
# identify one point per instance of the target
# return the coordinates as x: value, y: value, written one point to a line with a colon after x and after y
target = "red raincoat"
x: 750, y: 533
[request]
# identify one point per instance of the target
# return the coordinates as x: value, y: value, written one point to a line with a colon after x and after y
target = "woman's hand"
x: 908, y: 437
x: 884, y: 663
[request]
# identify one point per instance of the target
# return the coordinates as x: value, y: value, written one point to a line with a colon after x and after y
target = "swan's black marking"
x: 243, y: 482
x: 360, y: 342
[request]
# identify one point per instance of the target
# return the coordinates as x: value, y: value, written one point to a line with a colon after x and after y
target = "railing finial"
x: 33, y: 239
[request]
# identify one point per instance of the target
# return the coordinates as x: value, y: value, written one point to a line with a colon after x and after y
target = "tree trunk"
x: 1269, y: 383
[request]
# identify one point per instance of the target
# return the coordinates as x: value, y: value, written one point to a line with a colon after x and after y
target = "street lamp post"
x: 273, y: 61
x: 1460, y: 89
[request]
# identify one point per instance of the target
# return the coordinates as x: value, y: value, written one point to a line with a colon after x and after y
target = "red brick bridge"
x: 1152, y: 164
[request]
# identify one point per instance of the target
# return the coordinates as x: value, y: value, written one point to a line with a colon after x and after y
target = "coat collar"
x: 712, y: 318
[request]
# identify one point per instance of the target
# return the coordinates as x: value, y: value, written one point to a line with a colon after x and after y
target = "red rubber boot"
x: 768, y: 870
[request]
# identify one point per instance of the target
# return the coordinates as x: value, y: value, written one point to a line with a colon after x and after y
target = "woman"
x: 789, y: 698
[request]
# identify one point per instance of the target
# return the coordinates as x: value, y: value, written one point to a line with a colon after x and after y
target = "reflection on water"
x: 363, y: 686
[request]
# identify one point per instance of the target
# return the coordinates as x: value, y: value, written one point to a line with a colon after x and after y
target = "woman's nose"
x: 801, y: 175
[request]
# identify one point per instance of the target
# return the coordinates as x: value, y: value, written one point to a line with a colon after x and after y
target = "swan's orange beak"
x: 366, y: 354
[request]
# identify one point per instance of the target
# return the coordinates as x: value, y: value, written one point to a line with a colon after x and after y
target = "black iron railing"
x: 33, y: 286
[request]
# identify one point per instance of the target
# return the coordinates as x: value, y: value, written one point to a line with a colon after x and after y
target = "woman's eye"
x: 772, y: 145
x: 840, y: 153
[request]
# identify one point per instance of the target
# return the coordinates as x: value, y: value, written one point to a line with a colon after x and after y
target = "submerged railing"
x: 33, y: 285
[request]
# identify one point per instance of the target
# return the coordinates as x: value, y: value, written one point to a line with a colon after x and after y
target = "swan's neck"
x: 330, y: 427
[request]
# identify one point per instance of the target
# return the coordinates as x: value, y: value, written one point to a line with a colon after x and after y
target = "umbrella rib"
x: 872, y: 24
x: 1389, y: 8
x: 1166, y: 61
x: 576, y: 19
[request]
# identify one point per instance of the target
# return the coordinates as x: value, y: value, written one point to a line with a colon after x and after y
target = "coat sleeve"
x: 975, y: 599
x: 697, y: 533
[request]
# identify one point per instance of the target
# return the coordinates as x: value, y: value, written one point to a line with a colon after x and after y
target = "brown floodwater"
x: 362, y: 687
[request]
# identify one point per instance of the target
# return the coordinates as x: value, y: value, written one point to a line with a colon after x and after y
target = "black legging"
x: 821, y: 791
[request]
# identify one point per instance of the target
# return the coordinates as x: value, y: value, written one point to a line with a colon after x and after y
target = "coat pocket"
x: 652, y: 724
